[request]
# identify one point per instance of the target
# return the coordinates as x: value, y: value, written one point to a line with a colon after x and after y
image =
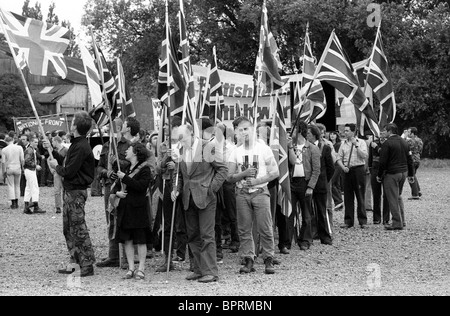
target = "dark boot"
x: 16, y: 203
x: 27, y: 209
x: 248, y: 267
x: 37, y: 209
x: 269, y: 266
x: 13, y: 204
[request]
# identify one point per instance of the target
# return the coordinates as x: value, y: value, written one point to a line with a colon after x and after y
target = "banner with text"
x: 238, y: 93
x: 50, y: 123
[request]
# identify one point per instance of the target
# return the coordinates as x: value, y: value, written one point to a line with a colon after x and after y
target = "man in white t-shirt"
x: 251, y: 166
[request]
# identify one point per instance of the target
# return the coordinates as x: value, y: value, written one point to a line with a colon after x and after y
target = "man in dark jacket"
x: 395, y: 164
x: 320, y: 217
x: 77, y: 171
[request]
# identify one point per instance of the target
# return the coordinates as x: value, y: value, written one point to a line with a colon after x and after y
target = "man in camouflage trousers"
x: 77, y: 170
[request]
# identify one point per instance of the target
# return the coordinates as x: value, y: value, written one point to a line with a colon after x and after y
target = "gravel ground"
x: 414, y: 261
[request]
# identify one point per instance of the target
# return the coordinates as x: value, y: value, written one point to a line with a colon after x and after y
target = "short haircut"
x: 391, y: 127
x: 352, y: 127
x: 83, y: 122
x: 2, y: 136
x: 26, y: 129
x: 9, y: 139
x: 175, y: 121
x: 302, y: 128
x: 206, y: 123
x: 12, y: 134
x: 238, y: 120
x: 244, y: 119
x: 315, y: 131
x: 321, y: 127
x: 57, y: 139
x: 413, y: 130
x: 141, y: 152
x: 61, y: 133
x: 134, y: 125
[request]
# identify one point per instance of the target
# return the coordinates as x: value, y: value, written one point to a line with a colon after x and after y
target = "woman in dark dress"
x: 133, y: 219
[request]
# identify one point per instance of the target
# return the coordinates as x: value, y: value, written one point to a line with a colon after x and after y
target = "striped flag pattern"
x: 335, y: 68
x: 109, y: 89
x: 379, y: 79
x: 38, y: 43
x: 215, y: 100
x: 123, y: 96
x: 278, y: 143
x: 313, y: 92
x: 189, y: 114
x: 92, y: 76
x: 170, y: 79
x: 268, y: 62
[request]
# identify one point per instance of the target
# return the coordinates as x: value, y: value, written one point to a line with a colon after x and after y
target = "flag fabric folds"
x: 38, y: 43
x: 92, y: 76
x: 109, y: 91
x: 170, y: 79
x: 278, y: 143
x: 215, y: 101
x: 268, y: 62
x: 123, y: 96
x: 379, y: 79
x: 312, y: 95
x: 189, y: 110
x: 335, y: 68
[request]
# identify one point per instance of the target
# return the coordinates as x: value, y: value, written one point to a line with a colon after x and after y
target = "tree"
x: 14, y: 101
x: 52, y: 18
x: 32, y: 12
x: 415, y: 35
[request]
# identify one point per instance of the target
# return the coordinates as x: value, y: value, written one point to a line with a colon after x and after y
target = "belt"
x: 354, y: 167
x: 245, y: 190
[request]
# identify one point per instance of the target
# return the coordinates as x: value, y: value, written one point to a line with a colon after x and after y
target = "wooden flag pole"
x: 41, y: 128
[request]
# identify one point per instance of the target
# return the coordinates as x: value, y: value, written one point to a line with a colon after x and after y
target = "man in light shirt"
x: 252, y: 166
x: 13, y: 159
x: 352, y: 159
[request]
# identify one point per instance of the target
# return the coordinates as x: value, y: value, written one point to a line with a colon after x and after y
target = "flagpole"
x: 27, y: 89
x: 207, y: 87
x: 168, y: 74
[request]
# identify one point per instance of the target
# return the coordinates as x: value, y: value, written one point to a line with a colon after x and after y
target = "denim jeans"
x: 255, y: 205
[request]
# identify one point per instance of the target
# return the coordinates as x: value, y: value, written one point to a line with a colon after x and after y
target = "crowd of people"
x: 194, y: 196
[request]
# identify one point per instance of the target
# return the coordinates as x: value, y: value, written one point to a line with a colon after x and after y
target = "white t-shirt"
x: 299, y: 170
x: 260, y: 154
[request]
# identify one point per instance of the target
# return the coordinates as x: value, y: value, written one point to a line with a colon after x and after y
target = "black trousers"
x: 229, y: 217
x: 377, y: 195
x: 322, y: 221
x: 355, y: 187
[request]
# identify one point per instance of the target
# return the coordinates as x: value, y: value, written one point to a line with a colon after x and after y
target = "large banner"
x: 238, y: 92
x: 50, y: 123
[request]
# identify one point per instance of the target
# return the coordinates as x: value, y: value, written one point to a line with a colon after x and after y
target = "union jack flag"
x: 170, y: 79
x: 214, y: 102
x: 312, y: 95
x: 268, y: 62
x: 379, y: 79
x: 189, y: 110
x: 278, y: 143
x: 40, y: 44
x: 335, y: 68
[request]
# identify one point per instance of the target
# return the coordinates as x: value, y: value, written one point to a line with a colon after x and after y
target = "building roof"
x: 50, y: 94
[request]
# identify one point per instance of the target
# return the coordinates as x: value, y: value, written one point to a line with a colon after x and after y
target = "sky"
x: 71, y: 10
